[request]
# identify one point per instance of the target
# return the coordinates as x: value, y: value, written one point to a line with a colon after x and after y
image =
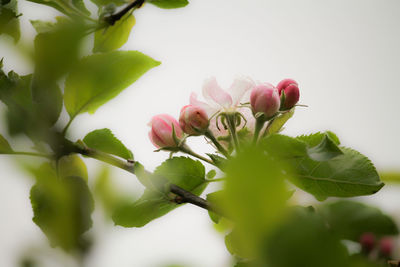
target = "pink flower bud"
x: 367, y: 241
x: 265, y: 98
x: 386, y: 246
x: 292, y: 94
x: 193, y: 120
x: 162, y: 128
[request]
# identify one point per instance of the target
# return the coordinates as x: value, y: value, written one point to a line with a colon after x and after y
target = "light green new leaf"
x: 4, y: 146
x: 72, y: 165
x: 73, y: 7
x: 9, y: 22
x: 101, y: 77
x: 390, y: 176
x: 114, y: 36
x: 104, y: 140
x: 350, y: 219
x: 168, y: 4
x: 277, y: 123
x: 314, y: 139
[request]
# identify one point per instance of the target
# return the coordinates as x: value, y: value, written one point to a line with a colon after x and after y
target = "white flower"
x: 219, y: 100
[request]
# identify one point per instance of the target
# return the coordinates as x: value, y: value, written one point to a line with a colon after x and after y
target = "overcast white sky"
x: 344, y: 54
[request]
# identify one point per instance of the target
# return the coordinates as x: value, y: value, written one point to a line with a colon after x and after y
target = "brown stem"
x: 117, y: 16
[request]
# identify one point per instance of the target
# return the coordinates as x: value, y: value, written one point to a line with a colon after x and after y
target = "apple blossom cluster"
x: 227, y: 117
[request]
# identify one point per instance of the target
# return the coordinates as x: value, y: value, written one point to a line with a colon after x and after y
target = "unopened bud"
x: 193, y: 120
x: 165, y: 131
x: 265, y: 99
x: 386, y: 247
x: 367, y: 241
x: 291, y: 93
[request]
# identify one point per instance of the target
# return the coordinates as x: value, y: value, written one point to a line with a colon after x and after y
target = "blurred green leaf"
x: 101, y: 77
x: 350, y: 219
x: 62, y: 207
x: 9, y: 22
x: 169, y: 3
x: 4, y: 146
x: 215, y: 198
x: 277, y: 123
x: 211, y: 174
x: 104, y: 140
x: 346, y: 175
x: 255, y: 199
x: 184, y: 172
x: 75, y: 8
x: 114, y: 36
x: 106, y: 4
x: 23, y: 114
x: 72, y: 165
x: 57, y: 47
x: 303, y: 239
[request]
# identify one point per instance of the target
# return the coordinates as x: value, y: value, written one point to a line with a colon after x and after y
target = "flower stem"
x: 259, y: 125
x: 214, y: 140
x: 232, y: 129
x: 185, y: 149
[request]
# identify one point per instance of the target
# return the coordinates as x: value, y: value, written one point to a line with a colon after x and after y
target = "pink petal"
x: 214, y: 93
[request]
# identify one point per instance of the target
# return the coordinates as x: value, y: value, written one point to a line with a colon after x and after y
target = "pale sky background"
x: 344, y: 54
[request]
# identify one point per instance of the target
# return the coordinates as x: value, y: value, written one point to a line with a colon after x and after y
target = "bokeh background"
x: 344, y: 54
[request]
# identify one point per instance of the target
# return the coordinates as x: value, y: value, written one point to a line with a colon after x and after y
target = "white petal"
x: 239, y: 88
x: 215, y: 94
x: 209, y: 110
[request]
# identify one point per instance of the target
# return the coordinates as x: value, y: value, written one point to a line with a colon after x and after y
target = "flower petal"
x: 209, y: 110
x: 239, y: 87
x: 213, y: 93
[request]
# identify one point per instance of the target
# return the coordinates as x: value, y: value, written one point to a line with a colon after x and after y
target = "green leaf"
x: 104, y: 140
x: 350, y: 219
x: 108, y: 6
x: 277, y: 123
x: 9, y: 22
x: 24, y: 115
x: 101, y: 77
x: 325, y: 150
x: 303, y: 239
x: 167, y: 4
x: 62, y: 207
x: 72, y: 165
x: 346, y: 175
x: 114, y: 36
x: 5, y: 147
x: 254, y: 198
x: 72, y: 8
x: 215, y: 198
x: 150, y: 206
x: 211, y: 174
x: 219, y: 161
x: 314, y: 139
x: 184, y: 172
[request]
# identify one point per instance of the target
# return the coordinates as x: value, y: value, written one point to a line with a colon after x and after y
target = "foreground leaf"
x: 4, y: 146
x: 101, y: 77
x: 303, y: 239
x: 61, y: 208
x: 351, y: 219
x: 105, y: 141
x: 9, y: 22
x: 114, y: 36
